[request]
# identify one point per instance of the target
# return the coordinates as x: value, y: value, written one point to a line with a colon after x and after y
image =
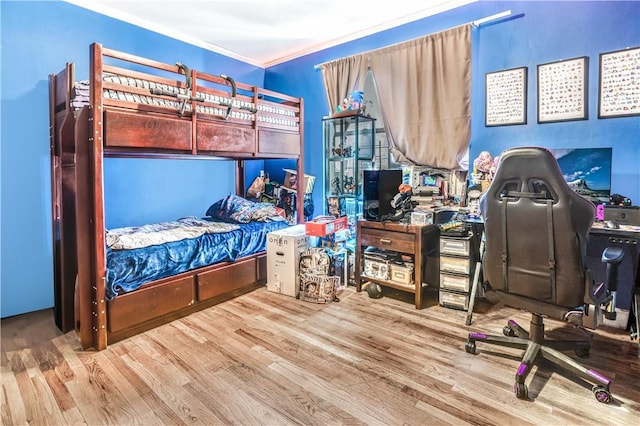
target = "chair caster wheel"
x: 582, y: 352
x: 520, y: 389
x: 601, y: 394
x: 507, y: 331
x: 470, y: 347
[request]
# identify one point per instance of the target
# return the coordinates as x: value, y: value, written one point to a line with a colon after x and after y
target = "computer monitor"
x: 587, y: 171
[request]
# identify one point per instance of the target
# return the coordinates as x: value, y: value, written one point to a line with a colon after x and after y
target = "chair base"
x: 536, y: 346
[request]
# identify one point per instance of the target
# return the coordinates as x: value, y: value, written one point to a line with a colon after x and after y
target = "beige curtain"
x: 424, y: 89
x: 342, y: 77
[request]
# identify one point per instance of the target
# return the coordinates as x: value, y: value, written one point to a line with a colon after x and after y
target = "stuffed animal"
x: 484, y: 162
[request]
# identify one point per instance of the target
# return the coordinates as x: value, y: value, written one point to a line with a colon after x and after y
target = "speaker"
x: 379, y: 188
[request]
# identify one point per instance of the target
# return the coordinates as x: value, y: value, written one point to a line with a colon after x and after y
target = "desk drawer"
x: 388, y: 240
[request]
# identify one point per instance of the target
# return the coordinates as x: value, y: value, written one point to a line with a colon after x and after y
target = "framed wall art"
x: 562, y: 90
x: 506, y: 97
x: 619, y: 87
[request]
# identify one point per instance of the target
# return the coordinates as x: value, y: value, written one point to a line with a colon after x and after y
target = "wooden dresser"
x: 420, y: 242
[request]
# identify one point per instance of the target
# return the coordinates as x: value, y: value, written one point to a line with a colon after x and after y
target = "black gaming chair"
x: 536, y: 230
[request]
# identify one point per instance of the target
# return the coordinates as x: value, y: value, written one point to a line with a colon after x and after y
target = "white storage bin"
x: 455, y: 246
x: 457, y: 265
x: 454, y: 300
x: 455, y: 282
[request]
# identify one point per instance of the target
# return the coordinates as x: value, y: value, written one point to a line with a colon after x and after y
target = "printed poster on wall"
x: 619, y: 88
x: 562, y: 90
x: 506, y: 97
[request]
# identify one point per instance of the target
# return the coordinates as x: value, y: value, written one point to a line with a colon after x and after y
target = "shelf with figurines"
x: 353, y: 104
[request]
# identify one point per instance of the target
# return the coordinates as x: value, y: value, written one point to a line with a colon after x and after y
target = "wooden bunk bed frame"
x: 196, y: 115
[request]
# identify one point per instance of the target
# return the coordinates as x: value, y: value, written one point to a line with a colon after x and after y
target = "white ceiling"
x: 267, y: 32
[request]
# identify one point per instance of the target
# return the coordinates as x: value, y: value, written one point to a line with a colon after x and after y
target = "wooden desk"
x: 421, y: 242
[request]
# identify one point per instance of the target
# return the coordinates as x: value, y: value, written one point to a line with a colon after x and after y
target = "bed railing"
x: 203, y: 111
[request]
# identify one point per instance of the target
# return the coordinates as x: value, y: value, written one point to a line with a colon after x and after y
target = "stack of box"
x: 334, y: 233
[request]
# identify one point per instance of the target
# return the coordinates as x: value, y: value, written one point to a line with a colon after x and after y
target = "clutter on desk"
x: 423, y: 192
x: 402, y: 204
x: 619, y: 200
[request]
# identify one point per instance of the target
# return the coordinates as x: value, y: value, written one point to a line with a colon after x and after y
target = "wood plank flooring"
x: 268, y: 359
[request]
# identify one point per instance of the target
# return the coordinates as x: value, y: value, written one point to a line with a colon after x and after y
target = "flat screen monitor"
x: 587, y: 171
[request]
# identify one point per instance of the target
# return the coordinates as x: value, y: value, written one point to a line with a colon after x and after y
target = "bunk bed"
x: 136, y: 107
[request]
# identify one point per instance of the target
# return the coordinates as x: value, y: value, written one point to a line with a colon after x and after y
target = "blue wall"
x: 38, y: 38
x: 548, y: 32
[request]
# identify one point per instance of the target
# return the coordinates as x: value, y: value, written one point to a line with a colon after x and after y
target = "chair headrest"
x: 532, y: 170
x: 531, y: 162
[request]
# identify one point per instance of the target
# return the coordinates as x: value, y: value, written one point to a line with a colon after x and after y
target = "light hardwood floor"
x: 264, y: 358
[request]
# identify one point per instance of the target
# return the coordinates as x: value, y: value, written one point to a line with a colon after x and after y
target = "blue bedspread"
x: 127, y: 270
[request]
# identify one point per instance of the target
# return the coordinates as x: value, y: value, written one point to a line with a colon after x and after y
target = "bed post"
x: 99, y: 273
x: 61, y: 125
x: 240, y: 178
x: 301, y: 187
x: 84, y: 295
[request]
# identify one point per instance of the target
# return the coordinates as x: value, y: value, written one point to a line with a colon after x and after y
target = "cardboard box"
x: 402, y: 274
x: 375, y: 268
x: 322, y: 226
x: 291, y: 181
x: 421, y: 217
x: 283, y: 256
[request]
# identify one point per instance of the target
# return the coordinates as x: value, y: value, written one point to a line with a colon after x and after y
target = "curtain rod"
x: 491, y: 18
x: 474, y: 24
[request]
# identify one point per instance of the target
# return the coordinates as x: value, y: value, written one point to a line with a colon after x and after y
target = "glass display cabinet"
x: 349, y: 149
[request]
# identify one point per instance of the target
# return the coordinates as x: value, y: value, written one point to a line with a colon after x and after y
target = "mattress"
x: 128, y: 270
